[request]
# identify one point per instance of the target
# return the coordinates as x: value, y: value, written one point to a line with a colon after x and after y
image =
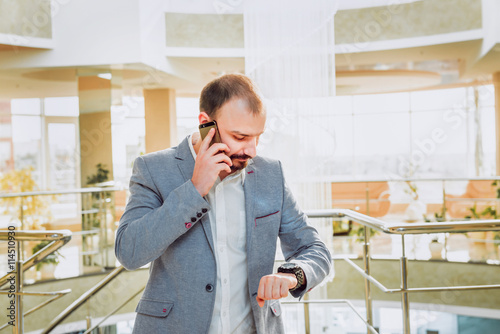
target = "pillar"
x: 6, y: 142
x: 496, y: 83
x: 160, y: 118
x: 94, y: 95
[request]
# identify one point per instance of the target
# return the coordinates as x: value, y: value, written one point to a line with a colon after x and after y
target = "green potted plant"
x: 46, y: 266
x: 480, y: 249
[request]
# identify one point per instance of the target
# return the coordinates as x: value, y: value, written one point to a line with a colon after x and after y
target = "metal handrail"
x: 56, y: 295
x: 119, y: 307
x: 430, y: 179
x: 59, y: 239
x: 83, y: 298
x: 402, y: 229
x: 61, y: 192
x: 370, y: 328
x: 408, y: 228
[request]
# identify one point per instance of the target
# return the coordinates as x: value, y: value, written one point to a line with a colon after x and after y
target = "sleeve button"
x: 193, y: 219
x: 198, y: 215
x: 204, y: 210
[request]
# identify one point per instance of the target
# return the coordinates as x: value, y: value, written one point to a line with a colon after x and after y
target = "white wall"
x: 491, y: 25
x: 86, y: 32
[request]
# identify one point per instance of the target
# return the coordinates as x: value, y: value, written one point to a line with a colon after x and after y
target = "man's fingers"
x: 268, y: 291
x: 260, y: 292
x: 218, y: 147
x: 260, y: 301
x: 221, y: 157
x: 277, y: 284
x: 272, y: 287
x: 205, y: 144
x: 284, y: 290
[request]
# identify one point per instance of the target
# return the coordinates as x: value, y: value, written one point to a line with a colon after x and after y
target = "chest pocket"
x: 268, y: 221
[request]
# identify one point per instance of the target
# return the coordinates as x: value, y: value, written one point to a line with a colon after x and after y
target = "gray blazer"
x: 166, y: 223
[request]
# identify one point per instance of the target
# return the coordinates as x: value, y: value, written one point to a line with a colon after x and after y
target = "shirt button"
x: 225, y: 281
x: 221, y: 249
x: 193, y: 219
x: 224, y: 314
x: 209, y: 288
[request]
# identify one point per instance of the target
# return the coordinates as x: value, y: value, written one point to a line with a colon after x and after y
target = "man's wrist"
x: 292, y: 268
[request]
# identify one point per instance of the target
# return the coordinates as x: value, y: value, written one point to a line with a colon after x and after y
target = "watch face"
x: 288, y: 265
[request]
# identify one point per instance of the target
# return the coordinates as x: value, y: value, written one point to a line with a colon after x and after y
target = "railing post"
x: 19, y: 324
x: 307, y: 320
x: 88, y: 318
x: 405, y: 303
x: 368, y: 297
x: 366, y: 260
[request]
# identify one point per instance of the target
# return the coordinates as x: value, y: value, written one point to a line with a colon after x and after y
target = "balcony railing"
x: 17, y: 267
x: 402, y: 232
x: 90, y: 213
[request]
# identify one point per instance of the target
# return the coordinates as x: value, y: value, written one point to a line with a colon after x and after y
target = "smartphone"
x: 205, y: 127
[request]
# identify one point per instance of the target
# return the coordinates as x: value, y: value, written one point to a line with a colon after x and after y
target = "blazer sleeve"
x: 301, y: 243
x: 150, y: 223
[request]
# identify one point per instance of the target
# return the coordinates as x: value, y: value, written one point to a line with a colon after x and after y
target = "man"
x: 208, y: 219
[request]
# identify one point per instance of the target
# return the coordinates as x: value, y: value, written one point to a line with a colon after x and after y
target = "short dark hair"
x: 223, y: 89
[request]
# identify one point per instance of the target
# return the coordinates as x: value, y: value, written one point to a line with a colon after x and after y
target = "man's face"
x: 240, y: 130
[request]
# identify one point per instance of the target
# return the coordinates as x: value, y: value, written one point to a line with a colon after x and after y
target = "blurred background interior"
x: 388, y: 108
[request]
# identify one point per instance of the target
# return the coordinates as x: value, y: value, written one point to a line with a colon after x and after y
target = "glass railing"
x: 91, y: 214
x: 394, y: 229
x: 13, y: 279
x: 420, y: 201
x: 402, y: 231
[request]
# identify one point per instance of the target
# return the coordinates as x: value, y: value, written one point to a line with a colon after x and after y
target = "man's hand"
x: 275, y: 286
x: 210, y: 161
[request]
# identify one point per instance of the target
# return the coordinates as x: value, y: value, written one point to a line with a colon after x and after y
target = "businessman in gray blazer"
x: 207, y: 218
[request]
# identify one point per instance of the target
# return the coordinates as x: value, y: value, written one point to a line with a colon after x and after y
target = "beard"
x: 238, y: 164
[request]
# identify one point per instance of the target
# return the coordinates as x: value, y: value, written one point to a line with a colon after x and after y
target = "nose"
x: 251, y: 148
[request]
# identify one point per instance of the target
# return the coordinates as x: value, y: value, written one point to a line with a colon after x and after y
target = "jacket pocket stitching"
x: 265, y: 216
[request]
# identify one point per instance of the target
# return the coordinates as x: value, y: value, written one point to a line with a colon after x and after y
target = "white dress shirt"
x: 232, y: 310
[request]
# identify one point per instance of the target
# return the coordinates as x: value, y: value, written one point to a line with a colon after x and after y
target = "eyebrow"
x: 244, y: 134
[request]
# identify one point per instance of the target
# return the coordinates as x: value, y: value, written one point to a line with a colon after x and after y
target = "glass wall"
x: 128, y: 130
x: 433, y: 133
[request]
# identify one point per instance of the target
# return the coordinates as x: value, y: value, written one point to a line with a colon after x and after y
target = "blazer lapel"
x: 185, y: 162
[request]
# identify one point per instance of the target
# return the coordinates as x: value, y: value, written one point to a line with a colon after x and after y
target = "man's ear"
x: 203, y: 117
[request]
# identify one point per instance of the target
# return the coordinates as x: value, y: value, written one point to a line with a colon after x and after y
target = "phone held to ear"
x: 205, y: 128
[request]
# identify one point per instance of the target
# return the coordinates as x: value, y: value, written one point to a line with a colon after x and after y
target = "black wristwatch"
x: 292, y: 268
